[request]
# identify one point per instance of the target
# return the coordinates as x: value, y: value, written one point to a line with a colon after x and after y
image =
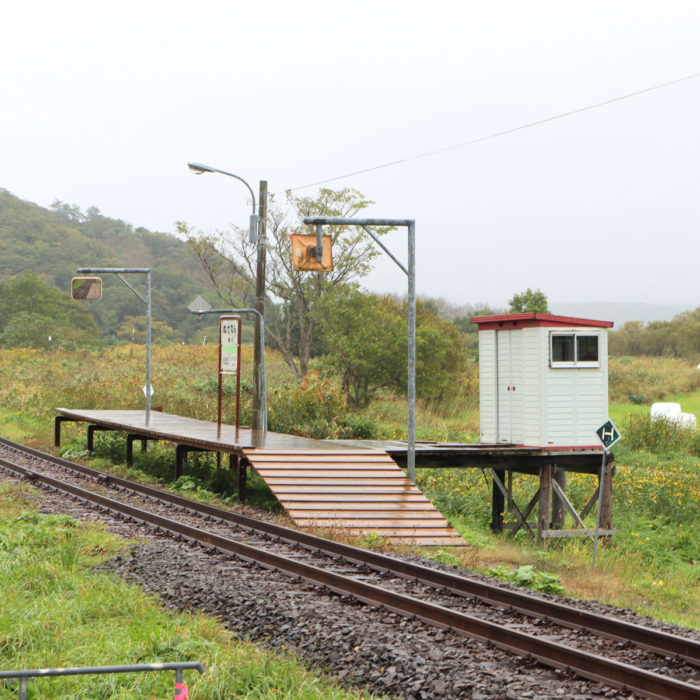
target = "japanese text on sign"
x: 228, y: 337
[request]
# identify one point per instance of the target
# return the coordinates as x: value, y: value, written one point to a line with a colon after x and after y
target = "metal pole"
x: 601, y: 483
x: 259, y: 417
x: 411, y: 453
x: 410, y: 224
x: 148, y: 345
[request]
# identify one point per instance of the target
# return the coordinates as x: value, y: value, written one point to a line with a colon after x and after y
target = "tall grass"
x: 33, y: 382
x: 643, y: 380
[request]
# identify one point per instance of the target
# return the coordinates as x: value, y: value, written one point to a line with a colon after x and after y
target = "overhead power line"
x: 497, y: 134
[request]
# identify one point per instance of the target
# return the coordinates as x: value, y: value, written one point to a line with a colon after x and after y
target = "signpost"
x: 230, y: 359
x: 608, y: 434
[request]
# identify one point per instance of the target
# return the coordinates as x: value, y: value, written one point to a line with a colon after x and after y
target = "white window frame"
x: 576, y: 363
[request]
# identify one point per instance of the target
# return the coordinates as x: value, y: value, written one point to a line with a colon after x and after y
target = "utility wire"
x: 481, y: 139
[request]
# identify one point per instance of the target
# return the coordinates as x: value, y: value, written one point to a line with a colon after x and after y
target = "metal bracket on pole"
x: 410, y: 271
x: 317, y: 250
x: 119, y: 271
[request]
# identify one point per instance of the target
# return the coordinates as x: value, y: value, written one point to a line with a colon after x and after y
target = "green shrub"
x: 660, y: 436
x: 527, y: 577
x: 315, y: 408
x: 362, y: 427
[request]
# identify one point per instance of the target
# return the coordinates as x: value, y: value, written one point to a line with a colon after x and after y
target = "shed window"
x: 574, y: 350
x: 562, y: 348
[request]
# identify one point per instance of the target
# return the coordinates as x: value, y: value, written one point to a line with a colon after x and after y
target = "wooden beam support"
x: 558, y: 505
x: 58, y: 420
x: 498, y: 505
x: 543, y: 519
x: 241, y: 478
x: 91, y: 435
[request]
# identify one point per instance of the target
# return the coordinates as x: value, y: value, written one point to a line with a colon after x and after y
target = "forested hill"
x: 52, y: 243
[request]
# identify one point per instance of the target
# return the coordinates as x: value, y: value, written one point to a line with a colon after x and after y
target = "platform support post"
x: 241, y: 477
x: 58, y: 421
x: 130, y: 448
x: 543, y: 519
x: 498, y: 504
x: 558, y: 506
x: 91, y: 438
x: 180, y: 457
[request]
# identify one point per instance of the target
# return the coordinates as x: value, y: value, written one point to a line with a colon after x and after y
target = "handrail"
x: 23, y: 675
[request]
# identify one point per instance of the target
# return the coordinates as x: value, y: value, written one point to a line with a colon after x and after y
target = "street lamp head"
x: 199, y: 169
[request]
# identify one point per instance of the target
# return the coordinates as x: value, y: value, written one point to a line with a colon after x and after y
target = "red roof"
x: 532, y: 318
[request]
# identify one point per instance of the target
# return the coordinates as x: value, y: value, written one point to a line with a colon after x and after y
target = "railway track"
x: 567, y: 637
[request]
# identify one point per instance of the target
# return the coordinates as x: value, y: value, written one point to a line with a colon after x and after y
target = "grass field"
x: 58, y: 611
x: 652, y: 565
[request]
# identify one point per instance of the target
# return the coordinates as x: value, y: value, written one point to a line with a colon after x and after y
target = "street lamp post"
x: 410, y: 272
x: 256, y: 234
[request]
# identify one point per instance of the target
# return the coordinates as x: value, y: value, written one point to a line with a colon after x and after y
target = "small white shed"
x: 543, y: 379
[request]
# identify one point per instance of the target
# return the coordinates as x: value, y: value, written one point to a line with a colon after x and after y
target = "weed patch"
x: 527, y: 577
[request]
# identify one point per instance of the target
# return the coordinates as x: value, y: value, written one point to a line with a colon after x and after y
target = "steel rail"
x: 656, y: 641
x: 584, y: 664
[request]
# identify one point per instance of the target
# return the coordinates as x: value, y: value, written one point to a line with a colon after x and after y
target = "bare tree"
x: 293, y: 307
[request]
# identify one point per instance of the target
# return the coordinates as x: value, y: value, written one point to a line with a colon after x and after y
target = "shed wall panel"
x: 487, y: 386
x: 532, y: 381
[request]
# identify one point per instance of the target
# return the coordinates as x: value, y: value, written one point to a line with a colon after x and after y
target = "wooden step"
x: 356, y: 491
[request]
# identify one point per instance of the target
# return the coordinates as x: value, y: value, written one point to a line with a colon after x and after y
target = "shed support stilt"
x: 558, y: 505
x: 498, y: 504
x: 543, y: 519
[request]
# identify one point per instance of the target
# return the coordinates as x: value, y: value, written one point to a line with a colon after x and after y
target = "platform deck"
x: 321, y: 484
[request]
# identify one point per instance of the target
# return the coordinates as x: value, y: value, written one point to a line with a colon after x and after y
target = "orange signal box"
x: 303, y: 257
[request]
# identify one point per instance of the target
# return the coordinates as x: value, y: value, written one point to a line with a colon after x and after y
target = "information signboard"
x: 229, y: 343
x: 230, y: 358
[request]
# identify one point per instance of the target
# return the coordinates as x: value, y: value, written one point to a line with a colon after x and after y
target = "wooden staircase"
x: 358, y: 491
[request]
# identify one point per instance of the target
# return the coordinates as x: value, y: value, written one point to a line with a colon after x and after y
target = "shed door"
x: 509, y: 350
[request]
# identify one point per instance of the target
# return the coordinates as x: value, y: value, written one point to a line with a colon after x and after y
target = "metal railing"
x: 88, y: 670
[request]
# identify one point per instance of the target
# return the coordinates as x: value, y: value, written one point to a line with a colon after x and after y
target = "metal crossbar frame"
x: 24, y: 675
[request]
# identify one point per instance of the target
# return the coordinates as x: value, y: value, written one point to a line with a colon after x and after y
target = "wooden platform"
x: 321, y: 484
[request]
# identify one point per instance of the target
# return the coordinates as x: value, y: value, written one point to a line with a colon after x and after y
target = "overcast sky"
x: 102, y: 104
